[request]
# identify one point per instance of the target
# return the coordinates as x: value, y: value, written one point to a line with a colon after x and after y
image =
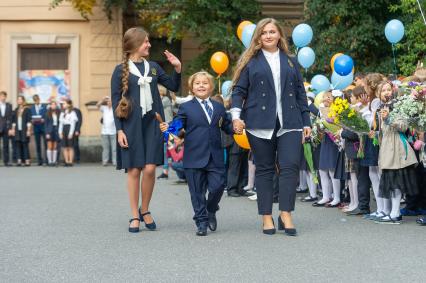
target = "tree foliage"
x: 85, y: 7
x: 213, y: 23
x: 355, y: 28
x: 412, y: 48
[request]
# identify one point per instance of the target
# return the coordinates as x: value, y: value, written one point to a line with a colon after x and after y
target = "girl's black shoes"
x: 134, y: 229
x: 150, y: 226
x: 287, y: 231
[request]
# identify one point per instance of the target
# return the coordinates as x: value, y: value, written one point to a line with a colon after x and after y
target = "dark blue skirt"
x: 371, y: 153
x: 145, y: 144
x: 328, y: 155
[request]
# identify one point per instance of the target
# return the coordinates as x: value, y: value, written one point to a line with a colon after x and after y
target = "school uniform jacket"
x: 6, y: 120
x: 38, y: 127
x: 203, y: 140
x: 254, y: 93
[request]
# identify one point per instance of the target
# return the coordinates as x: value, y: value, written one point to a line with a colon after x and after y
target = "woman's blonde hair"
x: 256, y: 45
x: 201, y: 73
x: 133, y: 38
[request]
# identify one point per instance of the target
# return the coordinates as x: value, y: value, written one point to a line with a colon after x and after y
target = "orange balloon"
x: 334, y: 58
x: 219, y: 62
x: 241, y: 27
x: 242, y: 140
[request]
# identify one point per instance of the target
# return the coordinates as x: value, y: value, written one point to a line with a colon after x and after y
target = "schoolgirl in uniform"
x: 51, y: 127
x: 136, y: 100
x: 67, y: 125
x: 327, y: 163
x: 21, y: 130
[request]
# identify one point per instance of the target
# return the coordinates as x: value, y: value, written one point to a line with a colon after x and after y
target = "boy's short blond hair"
x: 201, y: 73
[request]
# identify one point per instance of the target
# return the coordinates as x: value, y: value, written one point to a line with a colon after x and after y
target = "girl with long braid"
x: 136, y: 100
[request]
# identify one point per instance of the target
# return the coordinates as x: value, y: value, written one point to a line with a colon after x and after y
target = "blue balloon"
x: 343, y: 65
x: 306, y: 57
x: 341, y: 82
x: 320, y: 83
x: 226, y: 89
x: 247, y: 34
x: 302, y: 35
x: 394, y: 31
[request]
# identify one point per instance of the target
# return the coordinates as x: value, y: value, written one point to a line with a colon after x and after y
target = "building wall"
x: 97, y: 53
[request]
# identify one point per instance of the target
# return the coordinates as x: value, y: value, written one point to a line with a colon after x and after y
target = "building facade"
x: 78, y: 55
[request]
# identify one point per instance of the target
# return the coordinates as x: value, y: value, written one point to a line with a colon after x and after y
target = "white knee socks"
x: 311, y: 185
x: 374, y: 175
x: 353, y: 192
x: 396, y: 203
x: 303, y: 179
x: 251, y: 174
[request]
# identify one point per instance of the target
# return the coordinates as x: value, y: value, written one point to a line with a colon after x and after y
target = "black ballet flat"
x: 271, y: 231
x: 287, y: 231
x: 134, y: 229
x: 150, y: 226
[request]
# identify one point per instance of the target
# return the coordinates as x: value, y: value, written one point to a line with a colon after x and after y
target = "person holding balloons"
x: 269, y: 100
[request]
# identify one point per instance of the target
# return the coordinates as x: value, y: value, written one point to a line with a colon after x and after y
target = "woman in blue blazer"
x: 135, y: 99
x: 269, y: 100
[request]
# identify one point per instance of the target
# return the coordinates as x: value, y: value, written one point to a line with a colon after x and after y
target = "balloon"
x: 394, y: 31
x: 302, y: 35
x: 241, y: 27
x: 318, y: 99
x: 247, y: 34
x: 306, y: 57
x: 341, y: 82
x: 219, y: 62
x: 320, y: 83
x: 343, y: 65
x: 242, y: 140
x: 226, y: 89
x: 333, y: 59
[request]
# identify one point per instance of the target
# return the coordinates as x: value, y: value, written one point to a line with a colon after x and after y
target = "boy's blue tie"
x: 208, y: 109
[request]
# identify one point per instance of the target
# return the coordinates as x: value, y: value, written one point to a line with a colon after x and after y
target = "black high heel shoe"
x: 287, y: 231
x: 270, y: 231
x: 150, y: 226
x: 134, y: 229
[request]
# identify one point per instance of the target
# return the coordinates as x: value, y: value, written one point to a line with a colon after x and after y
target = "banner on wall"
x: 48, y: 84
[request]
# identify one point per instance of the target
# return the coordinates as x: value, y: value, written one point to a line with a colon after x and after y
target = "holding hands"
x: 163, y: 127
x: 238, y: 126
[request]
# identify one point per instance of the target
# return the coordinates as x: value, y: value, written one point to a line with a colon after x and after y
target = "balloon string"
x: 421, y: 11
x: 218, y: 78
x: 394, y: 59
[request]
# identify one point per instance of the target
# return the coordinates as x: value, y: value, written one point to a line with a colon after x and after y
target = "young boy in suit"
x: 203, y: 159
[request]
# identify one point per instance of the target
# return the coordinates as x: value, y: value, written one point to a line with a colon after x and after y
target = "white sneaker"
x: 253, y: 197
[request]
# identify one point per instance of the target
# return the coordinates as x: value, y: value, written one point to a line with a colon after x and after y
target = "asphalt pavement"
x: 70, y: 225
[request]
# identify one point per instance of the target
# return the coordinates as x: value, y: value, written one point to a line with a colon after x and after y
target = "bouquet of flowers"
x: 346, y: 117
x: 411, y: 106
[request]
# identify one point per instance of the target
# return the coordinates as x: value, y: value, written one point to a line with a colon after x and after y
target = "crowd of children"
x: 393, y: 168
x: 53, y: 125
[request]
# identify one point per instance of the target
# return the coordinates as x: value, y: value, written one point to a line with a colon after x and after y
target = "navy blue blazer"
x: 202, y: 139
x: 38, y: 127
x: 80, y: 120
x: 254, y: 93
x: 48, y: 123
x: 159, y: 76
x: 6, y: 120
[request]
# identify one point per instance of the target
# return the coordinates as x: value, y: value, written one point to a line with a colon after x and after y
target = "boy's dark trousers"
x: 200, y: 180
x: 237, y: 176
x: 364, y: 185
